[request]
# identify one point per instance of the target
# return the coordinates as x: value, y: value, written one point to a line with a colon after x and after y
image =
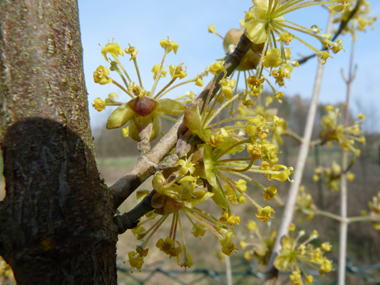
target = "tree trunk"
x: 56, y: 221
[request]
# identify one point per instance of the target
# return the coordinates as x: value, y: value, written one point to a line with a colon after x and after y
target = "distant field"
x: 116, y: 162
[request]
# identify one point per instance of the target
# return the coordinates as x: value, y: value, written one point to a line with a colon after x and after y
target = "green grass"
x: 125, y: 162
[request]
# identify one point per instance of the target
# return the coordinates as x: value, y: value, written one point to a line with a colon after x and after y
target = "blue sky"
x: 144, y: 23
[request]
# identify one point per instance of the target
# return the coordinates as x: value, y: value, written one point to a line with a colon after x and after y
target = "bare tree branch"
x: 147, y: 165
x: 129, y: 220
x: 343, y: 227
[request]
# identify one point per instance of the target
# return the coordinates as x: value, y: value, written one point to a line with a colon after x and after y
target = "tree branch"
x: 293, y: 135
x: 129, y: 220
x: 145, y: 167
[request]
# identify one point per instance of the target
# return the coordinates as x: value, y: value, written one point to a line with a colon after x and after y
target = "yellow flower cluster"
x: 345, y: 136
x: 259, y: 246
x: 144, y: 111
x: 359, y: 21
x: 331, y: 175
x: 294, y: 256
x: 305, y: 203
x: 200, y: 166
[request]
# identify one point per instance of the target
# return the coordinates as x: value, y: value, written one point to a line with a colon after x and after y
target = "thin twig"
x: 292, y: 134
x: 343, y: 183
x: 227, y: 259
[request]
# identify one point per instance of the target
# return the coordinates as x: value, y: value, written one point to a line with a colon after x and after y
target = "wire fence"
x: 153, y: 273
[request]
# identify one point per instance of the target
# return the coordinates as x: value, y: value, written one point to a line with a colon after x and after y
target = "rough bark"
x: 56, y: 221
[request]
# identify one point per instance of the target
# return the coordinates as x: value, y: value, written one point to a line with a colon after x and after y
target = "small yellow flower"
x: 186, y: 166
x: 286, y: 38
x: 168, y: 246
x: 309, y: 279
x: 155, y: 70
x: 268, y: 101
x: 283, y: 175
x: 292, y: 227
x: 111, y: 98
x: 169, y: 45
x: 227, y: 246
x: 241, y: 199
x: 216, y: 68
x: 187, y: 261
x: 361, y: 116
x: 295, y: 277
x: 270, y: 192
x: 198, y: 230
x: 241, y: 184
x: 132, y: 51
x: 211, y: 29
x: 143, y: 252
x: 135, y: 260
x: 252, y: 226
x: 248, y: 255
x: 338, y: 47
x: 100, y: 75
x: 230, y: 194
x: 125, y: 132
x: 323, y: 56
x: 326, y: 246
x: 272, y: 58
x: 99, y: 104
x: 326, y: 266
x: 251, y: 130
x: 314, y: 234
x: 232, y: 220
x: 177, y: 71
x: 350, y: 176
x: 199, y: 81
x: 138, y: 230
x: 227, y: 85
x: 112, y: 48
x: 265, y: 213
